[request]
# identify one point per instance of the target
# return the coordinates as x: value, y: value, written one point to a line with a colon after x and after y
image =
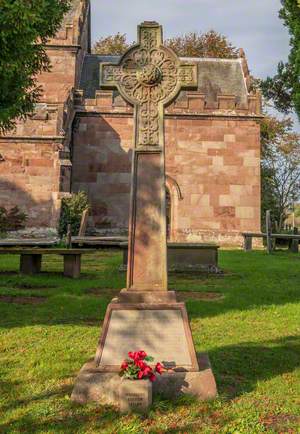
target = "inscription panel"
x: 160, y: 333
x: 135, y: 396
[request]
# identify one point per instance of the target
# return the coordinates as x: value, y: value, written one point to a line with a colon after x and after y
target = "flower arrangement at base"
x: 136, y: 368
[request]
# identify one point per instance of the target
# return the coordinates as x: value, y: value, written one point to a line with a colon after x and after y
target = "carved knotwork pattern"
x: 147, y: 76
x: 149, y: 38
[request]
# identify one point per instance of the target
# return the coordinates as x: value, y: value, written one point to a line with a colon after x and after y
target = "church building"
x: 80, y: 138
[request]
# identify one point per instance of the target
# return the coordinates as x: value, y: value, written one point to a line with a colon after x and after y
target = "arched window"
x: 173, y: 196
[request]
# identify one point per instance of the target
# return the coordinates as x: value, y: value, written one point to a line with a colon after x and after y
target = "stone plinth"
x: 94, y: 385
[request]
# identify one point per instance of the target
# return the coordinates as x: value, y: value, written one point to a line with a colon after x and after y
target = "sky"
x: 253, y: 25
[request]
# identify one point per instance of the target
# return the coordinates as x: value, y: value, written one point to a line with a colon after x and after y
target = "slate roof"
x: 216, y: 76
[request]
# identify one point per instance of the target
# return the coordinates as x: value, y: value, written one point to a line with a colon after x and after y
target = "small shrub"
x: 71, y: 212
x: 12, y: 220
x: 3, y: 220
x: 16, y: 219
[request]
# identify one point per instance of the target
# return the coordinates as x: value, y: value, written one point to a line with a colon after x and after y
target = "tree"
x: 278, y: 89
x: 112, y: 45
x: 71, y: 212
x: 209, y: 44
x: 280, y: 168
x: 25, y: 26
x: 284, y: 88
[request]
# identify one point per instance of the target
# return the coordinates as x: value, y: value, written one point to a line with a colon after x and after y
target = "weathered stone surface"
x: 135, y: 396
x: 149, y: 76
x: 209, y: 187
x: 94, y: 385
x: 185, y: 257
x: 160, y: 330
x: 151, y: 297
x: 35, y: 168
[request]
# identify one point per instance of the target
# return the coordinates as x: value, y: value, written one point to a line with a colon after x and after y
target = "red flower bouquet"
x: 136, y: 368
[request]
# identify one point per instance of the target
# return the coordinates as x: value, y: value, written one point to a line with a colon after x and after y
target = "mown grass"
x: 251, y: 335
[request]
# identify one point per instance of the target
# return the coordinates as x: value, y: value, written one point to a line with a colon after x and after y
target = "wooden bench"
x: 31, y: 259
x: 294, y: 239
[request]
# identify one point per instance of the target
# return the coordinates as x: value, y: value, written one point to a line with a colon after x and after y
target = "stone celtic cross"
x: 148, y: 76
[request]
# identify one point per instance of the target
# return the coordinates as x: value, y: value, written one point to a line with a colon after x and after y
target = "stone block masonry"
x: 35, y: 165
x: 214, y: 163
x: 81, y: 138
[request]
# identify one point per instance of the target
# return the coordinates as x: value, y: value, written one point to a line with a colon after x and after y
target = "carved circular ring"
x: 150, y: 75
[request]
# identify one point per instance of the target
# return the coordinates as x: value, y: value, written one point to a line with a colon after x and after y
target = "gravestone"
x: 146, y: 315
x: 83, y: 223
x: 269, y: 232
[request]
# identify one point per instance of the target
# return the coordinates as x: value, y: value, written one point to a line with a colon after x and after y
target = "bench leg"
x: 294, y: 246
x: 247, y: 244
x: 30, y: 264
x: 72, y: 265
x: 125, y: 258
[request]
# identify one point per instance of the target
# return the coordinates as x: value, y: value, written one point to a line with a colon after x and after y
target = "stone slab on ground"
x: 184, y: 257
x: 94, y: 385
x: 101, y: 242
x: 28, y: 242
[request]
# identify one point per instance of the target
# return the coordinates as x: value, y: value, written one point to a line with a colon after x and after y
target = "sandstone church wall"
x: 31, y: 174
x: 102, y: 167
x: 80, y: 138
x: 216, y: 165
x: 212, y: 166
x: 212, y: 153
x: 35, y: 166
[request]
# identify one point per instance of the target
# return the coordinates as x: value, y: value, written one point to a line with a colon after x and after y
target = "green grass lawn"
x: 251, y: 335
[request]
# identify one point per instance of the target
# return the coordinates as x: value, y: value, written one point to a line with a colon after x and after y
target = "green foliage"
x: 12, y: 220
x: 71, y: 212
x: 284, y: 88
x: 209, y: 44
x: 131, y: 372
x: 25, y: 27
x: 112, y: 45
x: 278, y: 89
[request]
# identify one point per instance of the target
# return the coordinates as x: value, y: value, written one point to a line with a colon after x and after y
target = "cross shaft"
x: 148, y: 76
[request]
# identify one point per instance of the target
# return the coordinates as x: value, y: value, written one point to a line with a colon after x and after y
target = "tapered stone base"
x: 92, y: 384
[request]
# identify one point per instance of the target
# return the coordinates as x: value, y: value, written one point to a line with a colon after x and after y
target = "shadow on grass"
x: 9, y: 386
x: 69, y: 421
x: 238, y: 369
x: 255, y: 279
